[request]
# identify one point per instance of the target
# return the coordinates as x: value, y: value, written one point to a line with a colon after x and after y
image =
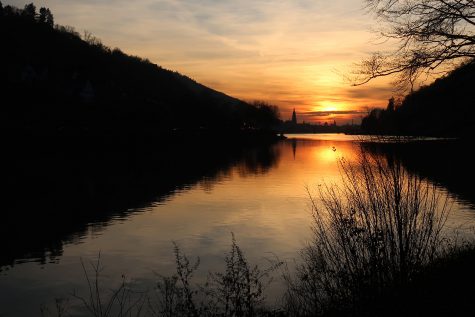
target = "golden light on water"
x: 327, y: 154
x: 332, y: 152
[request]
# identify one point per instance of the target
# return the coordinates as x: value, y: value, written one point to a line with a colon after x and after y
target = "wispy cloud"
x: 282, y: 51
x: 336, y: 112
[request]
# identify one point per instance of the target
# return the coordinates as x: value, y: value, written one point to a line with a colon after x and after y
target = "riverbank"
x: 444, y: 288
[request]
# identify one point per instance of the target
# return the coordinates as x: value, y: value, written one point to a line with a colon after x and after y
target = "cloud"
x: 336, y: 112
x: 284, y: 52
x: 373, y: 91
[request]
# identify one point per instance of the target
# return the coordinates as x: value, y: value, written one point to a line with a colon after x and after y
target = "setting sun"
x: 329, y: 106
x: 295, y: 60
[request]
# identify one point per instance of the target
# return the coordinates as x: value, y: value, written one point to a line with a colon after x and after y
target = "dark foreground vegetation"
x: 379, y: 248
x: 55, y: 81
x: 442, y: 288
x: 444, y: 108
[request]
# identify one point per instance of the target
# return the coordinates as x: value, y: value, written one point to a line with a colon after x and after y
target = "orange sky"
x: 289, y: 53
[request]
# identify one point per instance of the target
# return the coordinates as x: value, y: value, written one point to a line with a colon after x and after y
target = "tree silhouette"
x: 42, y: 15
x: 87, y: 88
x: 29, y: 11
x: 444, y: 108
x: 391, y: 105
x: 8, y: 10
x: 49, y: 18
x: 45, y: 16
x: 430, y: 35
x: 267, y: 115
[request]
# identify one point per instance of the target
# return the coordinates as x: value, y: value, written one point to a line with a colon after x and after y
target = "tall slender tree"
x: 49, y: 18
x: 42, y: 15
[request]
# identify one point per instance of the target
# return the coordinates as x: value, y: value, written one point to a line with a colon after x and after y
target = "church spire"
x: 294, y: 117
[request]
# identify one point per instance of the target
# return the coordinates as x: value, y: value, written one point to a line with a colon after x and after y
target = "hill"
x: 56, y: 82
x: 444, y: 108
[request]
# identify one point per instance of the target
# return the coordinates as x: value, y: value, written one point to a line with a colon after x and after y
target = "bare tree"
x: 431, y: 36
x: 375, y: 230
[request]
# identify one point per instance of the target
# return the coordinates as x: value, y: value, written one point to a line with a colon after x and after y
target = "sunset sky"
x: 290, y: 53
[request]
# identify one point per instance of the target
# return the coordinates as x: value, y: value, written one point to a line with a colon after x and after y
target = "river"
x: 260, y: 194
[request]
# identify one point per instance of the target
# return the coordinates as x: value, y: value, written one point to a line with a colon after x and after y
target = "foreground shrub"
x: 237, y: 291
x: 372, y: 232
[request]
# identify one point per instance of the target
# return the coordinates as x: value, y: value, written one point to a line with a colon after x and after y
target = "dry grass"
x: 236, y: 291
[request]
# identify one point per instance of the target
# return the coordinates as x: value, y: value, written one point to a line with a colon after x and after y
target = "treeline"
x: 289, y: 127
x: 55, y: 81
x: 444, y: 108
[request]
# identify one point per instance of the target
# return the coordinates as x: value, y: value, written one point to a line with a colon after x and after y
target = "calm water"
x: 260, y: 196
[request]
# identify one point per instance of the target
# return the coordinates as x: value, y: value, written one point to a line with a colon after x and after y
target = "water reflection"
x: 58, y: 197
x: 72, y: 205
x: 445, y: 163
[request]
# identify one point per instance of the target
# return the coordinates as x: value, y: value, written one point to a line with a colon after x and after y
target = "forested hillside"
x: 56, y: 81
x: 444, y: 108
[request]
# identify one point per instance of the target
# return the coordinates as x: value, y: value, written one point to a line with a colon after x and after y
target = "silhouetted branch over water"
x: 426, y: 37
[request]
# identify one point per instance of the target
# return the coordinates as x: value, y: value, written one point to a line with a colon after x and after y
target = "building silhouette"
x: 294, y: 117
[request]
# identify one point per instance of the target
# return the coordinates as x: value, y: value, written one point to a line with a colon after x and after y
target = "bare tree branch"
x: 430, y: 34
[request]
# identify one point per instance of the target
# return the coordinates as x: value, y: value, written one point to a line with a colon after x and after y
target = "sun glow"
x: 329, y: 106
x: 294, y: 54
x: 327, y: 154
